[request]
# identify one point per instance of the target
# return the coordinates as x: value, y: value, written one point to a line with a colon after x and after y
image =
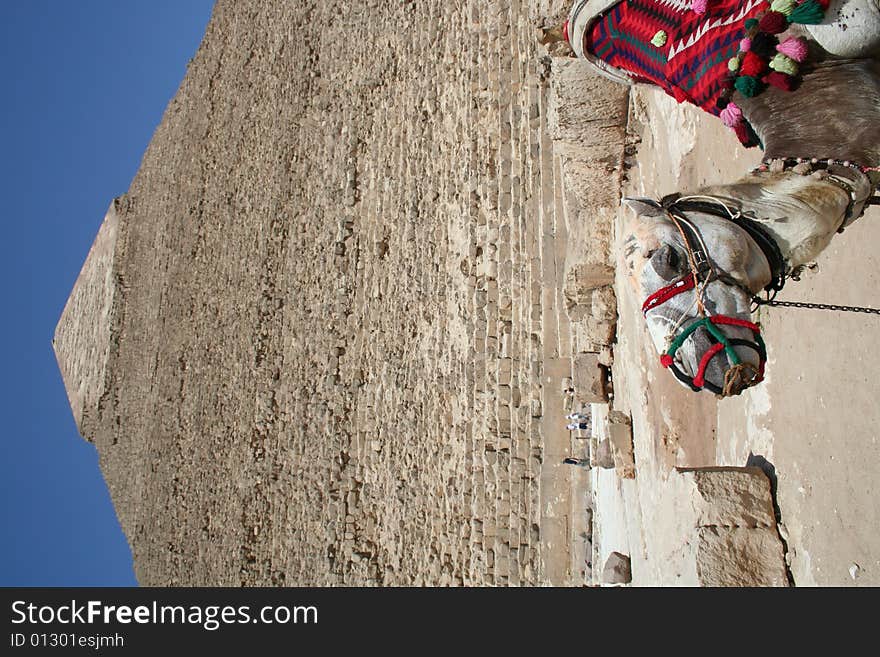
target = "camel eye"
x: 667, y: 262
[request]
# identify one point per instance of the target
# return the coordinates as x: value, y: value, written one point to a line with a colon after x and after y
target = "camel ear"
x: 645, y: 207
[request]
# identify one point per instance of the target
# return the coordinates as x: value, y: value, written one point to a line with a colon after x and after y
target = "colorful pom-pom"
x: 748, y: 86
x: 752, y: 65
x: 784, y: 64
x: 659, y: 39
x: 699, y: 6
x: 750, y: 23
x: 731, y: 115
x: 780, y: 80
x: 784, y: 7
x: 773, y: 22
x: 809, y: 12
x: 794, y: 48
x: 742, y: 133
x: 666, y: 360
x: 745, y: 45
x: 824, y: 4
x: 764, y: 45
x: 733, y: 64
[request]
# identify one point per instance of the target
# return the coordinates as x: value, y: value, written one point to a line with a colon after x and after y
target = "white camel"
x: 700, y: 259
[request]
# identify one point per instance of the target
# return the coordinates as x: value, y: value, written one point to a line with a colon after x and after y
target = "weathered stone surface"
x: 580, y: 283
x: 601, y: 323
x: 592, y: 196
x: 84, y: 335
x: 730, y: 497
x: 340, y: 279
x: 730, y: 537
x: 617, y: 569
x: 620, y: 438
x: 585, y: 108
x: 588, y: 379
x: 740, y: 556
x: 603, y: 456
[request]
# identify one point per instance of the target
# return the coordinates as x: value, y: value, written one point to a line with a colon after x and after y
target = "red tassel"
x: 780, y: 80
x: 742, y: 133
x: 773, y: 23
x: 824, y: 4
x: 752, y: 64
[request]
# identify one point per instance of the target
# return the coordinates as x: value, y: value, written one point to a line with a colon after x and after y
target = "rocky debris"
x: 854, y: 570
x: 591, y: 305
x: 617, y: 569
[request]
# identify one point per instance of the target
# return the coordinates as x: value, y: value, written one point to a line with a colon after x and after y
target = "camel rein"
x: 809, y: 164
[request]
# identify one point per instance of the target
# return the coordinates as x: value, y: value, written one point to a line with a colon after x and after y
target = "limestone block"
x: 601, y: 323
x: 580, y: 283
x: 621, y: 442
x: 734, y: 540
x: 730, y: 497
x: 617, y: 569
x: 592, y: 184
x: 739, y: 556
x: 591, y: 193
x: 585, y: 107
x: 588, y: 379
x: 603, y: 456
x: 535, y: 408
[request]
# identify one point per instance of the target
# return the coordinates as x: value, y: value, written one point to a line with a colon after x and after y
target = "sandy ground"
x: 812, y: 425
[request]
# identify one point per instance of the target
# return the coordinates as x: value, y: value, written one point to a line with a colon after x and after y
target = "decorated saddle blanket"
x: 697, y: 50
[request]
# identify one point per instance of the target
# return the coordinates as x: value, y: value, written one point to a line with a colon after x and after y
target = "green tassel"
x: 751, y: 22
x: 659, y: 39
x: 748, y: 86
x: 783, y: 6
x: 784, y: 64
x: 733, y: 63
x: 807, y: 13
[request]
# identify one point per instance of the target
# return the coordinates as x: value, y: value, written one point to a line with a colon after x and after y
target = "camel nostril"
x: 738, y: 378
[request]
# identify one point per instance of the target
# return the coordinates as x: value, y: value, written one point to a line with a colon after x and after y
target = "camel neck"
x: 801, y: 213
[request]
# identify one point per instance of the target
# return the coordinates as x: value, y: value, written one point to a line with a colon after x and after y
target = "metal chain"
x: 816, y: 306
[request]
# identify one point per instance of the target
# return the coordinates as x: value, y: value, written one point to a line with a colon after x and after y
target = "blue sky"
x: 85, y: 84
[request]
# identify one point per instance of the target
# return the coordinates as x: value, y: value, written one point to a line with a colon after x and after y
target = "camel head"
x: 699, y: 321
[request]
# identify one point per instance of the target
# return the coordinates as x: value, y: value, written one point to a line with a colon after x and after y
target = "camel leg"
x: 851, y: 29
